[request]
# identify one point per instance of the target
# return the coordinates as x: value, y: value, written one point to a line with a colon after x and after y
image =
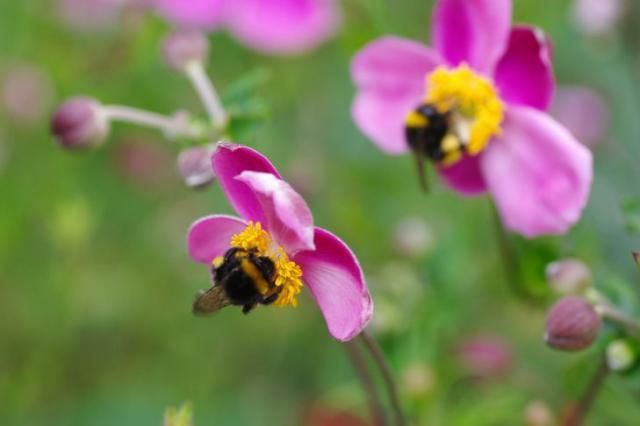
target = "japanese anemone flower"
x: 270, y: 26
x: 474, y: 104
x: 276, y: 229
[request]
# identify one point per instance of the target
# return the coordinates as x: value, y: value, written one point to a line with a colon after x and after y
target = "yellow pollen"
x: 287, y: 273
x: 473, y: 97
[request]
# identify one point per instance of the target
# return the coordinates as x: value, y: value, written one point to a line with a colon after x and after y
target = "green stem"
x: 360, y: 367
x: 610, y: 312
x: 378, y: 356
x: 509, y: 258
x: 588, y: 397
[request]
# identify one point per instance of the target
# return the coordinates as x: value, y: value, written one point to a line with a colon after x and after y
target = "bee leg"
x: 248, y: 307
x: 269, y: 300
x: 272, y: 297
x: 420, y: 167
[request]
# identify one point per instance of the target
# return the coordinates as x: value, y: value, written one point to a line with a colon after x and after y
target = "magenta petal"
x: 472, y: 31
x: 283, y: 26
x: 287, y: 216
x: 336, y: 281
x: 228, y: 161
x: 210, y: 236
x: 538, y: 173
x: 524, y: 75
x: 204, y: 14
x: 389, y: 74
x: 465, y: 176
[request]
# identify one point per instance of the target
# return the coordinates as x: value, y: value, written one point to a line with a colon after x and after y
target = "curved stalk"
x: 207, y: 93
x: 392, y: 390
x: 171, y: 126
x: 360, y: 367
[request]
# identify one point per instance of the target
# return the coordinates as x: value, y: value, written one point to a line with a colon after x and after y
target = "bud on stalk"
x: 572, y: 324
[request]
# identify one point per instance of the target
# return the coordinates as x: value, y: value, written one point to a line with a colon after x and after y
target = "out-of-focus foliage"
x: 96, y: 286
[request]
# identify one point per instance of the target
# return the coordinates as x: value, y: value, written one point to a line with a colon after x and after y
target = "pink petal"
x: 524, y: 75
x: 465, y: 176
x: 229, y: 161
x: 336, y: 281
x: 472, y: 31
x: 283, y: 26
x: 288, y: 218
x: 538, y: 173
x: 203, y: 14
x: 389, y: 74
x: 210, y: 236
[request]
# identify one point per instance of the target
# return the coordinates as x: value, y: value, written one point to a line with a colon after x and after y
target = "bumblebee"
x: 241, y: 278
x: 428, y: 135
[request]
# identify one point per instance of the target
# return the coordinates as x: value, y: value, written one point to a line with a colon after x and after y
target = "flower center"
x: 287, y: 277
x: 472, y: 101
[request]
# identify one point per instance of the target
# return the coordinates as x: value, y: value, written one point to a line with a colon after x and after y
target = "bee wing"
x: 210, y: 301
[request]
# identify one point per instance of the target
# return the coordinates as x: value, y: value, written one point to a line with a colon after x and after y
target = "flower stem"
x: 378, y: 356
x: 360, y: 367
x: 588, y: 397
x: 509, y: 257
x: 171, y: 126
x: 208, y: 95
x: 612, y: 313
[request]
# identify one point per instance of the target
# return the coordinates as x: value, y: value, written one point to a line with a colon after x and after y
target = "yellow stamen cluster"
x: 473, y: 97
x: 287, y: 273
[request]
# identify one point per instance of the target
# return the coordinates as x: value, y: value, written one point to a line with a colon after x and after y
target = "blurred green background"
x: 96, y: 286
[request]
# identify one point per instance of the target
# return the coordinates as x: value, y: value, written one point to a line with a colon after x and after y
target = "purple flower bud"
x: 572, y: 324
x: 79, y: 123
x: 194, y: 165
x: 182, y: 47
x: 568, y: 276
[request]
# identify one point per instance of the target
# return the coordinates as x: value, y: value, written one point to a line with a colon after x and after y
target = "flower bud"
x: 194, y: 165
x: 184, y: 46
x: 568, y: 276
x: 79, y: 123
x: 620, y: 355
x: 572, y: 324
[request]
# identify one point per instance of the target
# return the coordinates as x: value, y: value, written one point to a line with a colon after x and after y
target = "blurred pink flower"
x: 597, y: 17
x: 485, y: 357
x: 93, y: 15
x: 144, y: 162
x: 270, y: 26
x: 583, y: 111
x: 276, y: 223
x: 26, y: 93
x: 491, y: 83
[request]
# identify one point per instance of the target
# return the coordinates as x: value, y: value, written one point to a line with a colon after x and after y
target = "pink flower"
x: 276, y: 227
x: 271, y: 26
x: 482, y: 118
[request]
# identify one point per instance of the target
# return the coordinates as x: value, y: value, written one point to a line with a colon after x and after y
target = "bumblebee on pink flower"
x: 474, y: 104
x: 264, y: 256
